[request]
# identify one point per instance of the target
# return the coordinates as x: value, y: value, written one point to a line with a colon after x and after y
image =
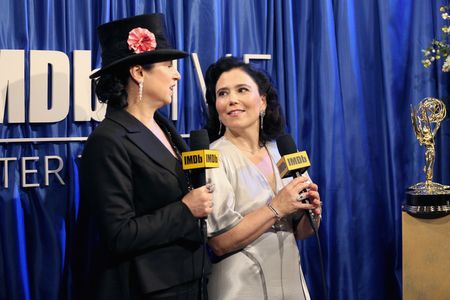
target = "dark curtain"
x: 346, y: 71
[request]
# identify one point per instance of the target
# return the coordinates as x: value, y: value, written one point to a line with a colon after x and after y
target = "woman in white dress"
x: 256, y: 217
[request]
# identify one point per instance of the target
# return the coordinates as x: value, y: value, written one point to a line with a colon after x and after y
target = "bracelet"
x: 275, y: 212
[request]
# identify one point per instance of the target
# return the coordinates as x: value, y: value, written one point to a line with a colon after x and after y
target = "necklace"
x: 252, y: 152
x: 236, y: 144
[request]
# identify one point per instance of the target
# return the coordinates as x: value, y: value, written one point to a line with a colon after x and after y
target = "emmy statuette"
x: 428, y: 199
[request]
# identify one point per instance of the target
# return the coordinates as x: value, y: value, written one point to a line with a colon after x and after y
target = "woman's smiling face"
x: 238, y: 101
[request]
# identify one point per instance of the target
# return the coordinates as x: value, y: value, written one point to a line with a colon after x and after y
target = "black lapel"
x: 175, y: 136
x: 145, y: 140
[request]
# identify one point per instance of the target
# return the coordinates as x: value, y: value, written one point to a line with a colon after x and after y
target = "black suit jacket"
x: 149, y: 240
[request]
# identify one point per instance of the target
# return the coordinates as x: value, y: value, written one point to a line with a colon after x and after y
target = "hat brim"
x: 141, y: 58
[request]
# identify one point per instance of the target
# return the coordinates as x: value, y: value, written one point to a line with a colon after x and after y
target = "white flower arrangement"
x: 439, y: 48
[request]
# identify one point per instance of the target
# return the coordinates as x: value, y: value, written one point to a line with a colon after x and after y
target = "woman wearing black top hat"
x: 131, y: 175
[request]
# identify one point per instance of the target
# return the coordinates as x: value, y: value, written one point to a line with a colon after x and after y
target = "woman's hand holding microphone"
x: 199, y: 200
x: 290, y: 198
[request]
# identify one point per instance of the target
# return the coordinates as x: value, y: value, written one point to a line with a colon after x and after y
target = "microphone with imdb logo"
x: 200, y: 157
x: 197, y: 161
x: 293, y: 163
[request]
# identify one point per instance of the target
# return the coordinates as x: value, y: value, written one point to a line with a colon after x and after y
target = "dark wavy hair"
x: 273, y: 119
x: 111, y: 88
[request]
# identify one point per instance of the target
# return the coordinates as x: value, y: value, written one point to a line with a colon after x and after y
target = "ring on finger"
x: 210, y: 187
x: 301, y: 197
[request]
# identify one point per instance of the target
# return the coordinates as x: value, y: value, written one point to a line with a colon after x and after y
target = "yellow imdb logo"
x: 200, y: 159
x: 297, y: 161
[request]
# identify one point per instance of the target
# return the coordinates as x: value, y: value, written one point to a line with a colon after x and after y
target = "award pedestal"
x: 426, y: 257
x: 426, y: 216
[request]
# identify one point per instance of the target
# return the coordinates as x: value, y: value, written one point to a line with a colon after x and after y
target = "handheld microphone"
x: 293, y: 164
x: 197, y: 161
x: 200, y: 157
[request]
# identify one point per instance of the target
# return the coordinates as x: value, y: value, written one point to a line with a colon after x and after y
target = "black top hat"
x: 133, y: 41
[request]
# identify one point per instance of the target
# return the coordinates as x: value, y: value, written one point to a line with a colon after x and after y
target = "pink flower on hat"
x: 141, y: 40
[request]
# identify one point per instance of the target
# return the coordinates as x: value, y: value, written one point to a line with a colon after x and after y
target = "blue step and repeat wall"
x: 346, y: 71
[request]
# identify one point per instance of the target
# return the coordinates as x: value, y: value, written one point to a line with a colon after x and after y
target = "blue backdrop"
x: 346, y: 70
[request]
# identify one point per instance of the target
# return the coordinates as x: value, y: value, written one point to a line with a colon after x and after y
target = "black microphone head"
x: 199, y: 139
x: 286, y: 145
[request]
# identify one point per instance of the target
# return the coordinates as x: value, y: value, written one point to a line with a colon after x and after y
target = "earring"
x: 220, y: 127
x: 261, y: 115
x: 141, y: 88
